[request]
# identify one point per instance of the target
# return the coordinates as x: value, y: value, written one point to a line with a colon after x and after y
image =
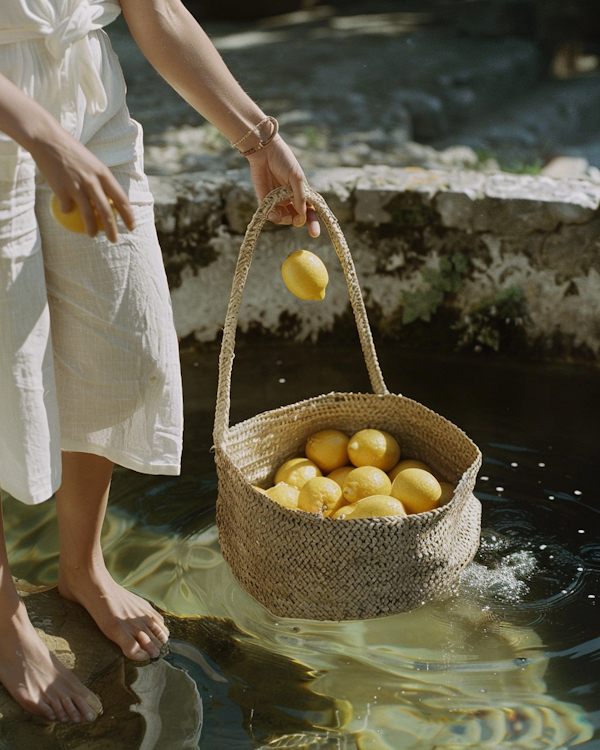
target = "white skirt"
x: 89, y: 358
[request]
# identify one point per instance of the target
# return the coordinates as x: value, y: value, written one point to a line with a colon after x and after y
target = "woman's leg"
x: 34, y: 677
x: 125, y: 618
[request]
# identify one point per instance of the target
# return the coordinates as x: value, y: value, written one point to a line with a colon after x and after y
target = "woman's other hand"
x: 76, y: 175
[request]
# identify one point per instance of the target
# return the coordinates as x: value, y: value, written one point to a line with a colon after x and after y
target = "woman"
x: 89, y: 372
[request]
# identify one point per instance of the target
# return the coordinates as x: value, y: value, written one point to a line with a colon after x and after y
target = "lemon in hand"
x: 297, y: 472
x: 374, y: 448
x: 305, y: 275
x: 417, y: 490
x: 73, y: 220
x: 328, y: 449
x: 365, y: 481
x: 320, y: 495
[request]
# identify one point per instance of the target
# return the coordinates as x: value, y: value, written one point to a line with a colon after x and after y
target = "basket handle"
x: 239, y: 280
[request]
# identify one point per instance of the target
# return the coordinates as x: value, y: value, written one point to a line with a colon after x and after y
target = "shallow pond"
x: 512, y: 662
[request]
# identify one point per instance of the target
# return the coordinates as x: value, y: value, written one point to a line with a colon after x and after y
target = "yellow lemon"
x: 284, y: 494
x: 408, y: 463
x: 417, y: 490
x: 320, y: 495
x: 447, y: 493
x: 365, y: 481
x: 328, y: 449
x: 374, y: 448
x: 297, y: 472
x: 73, y: 220
x: 377, y: 505
x: 305, y: 275
x: 372, y: 507
x: 345, y: 511
x: 339, y: 475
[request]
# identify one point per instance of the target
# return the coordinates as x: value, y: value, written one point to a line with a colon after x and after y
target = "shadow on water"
x: 511, y: 663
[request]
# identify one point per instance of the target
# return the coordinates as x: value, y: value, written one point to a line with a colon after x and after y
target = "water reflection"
x: 510, y: 663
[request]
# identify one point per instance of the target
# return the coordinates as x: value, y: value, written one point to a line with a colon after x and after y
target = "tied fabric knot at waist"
x: 68, y: 34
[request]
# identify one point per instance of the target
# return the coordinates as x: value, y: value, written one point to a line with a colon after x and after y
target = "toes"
x: 132, y: 649
x: 59, y: 711
x: 71, y: 710
x: 92, y: 701
x: 87, y: 710
x: 159, y: 631
x: 148, y: 643
x: 45, y: 710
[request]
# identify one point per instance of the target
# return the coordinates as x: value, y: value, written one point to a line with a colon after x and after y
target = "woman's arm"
x: 178, y: 48
x: 72, y: 171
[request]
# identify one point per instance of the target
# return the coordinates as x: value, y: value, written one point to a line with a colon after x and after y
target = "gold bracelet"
x: 266, y: 142
x: 249, y: 133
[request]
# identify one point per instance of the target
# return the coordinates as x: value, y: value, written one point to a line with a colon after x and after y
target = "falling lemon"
x: 320, y: 495
x: 284, y: 494
x: 339, y: 475
x: 365, y: 481
x: 297, y: 472
x: 417, y: 490
x: 408, y: 463
x: 373, y: 506
x: 305, y: 275
x: 374, y: 448
x: 73, y: 220
x: 328, y: 449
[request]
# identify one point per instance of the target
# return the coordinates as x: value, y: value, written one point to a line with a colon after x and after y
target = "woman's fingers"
x: 120, y: 200
x: 106, y: 214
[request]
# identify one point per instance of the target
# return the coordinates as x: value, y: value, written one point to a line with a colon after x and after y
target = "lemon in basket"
x: 339, y: 475
x: 374, y: 448
x: 408, y: 463
x: 365, y: 481
x: 417, y: 490
x: 284, y: 494
x: 297, y: 472
x: 328, y: 449
x: 320, y: 495
x: 447, y: 493
x: 372, y: 507
x: 305, y: 275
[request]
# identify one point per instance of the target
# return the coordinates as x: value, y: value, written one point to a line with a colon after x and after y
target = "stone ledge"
x: 533, y: 238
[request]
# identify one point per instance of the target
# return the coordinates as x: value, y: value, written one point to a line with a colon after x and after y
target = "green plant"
x: 445, y: 279
x: 487, y: 324
x: 514, y: 166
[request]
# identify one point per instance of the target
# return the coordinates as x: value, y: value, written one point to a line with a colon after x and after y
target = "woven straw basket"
x: 299, y: 564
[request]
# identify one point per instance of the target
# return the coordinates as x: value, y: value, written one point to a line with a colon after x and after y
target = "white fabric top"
x: 63, y: 25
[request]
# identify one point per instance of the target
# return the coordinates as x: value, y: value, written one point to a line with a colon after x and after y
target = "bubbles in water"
x: 504, y: 582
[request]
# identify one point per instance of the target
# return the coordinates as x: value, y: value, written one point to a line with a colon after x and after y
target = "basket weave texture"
x: 299, y: 564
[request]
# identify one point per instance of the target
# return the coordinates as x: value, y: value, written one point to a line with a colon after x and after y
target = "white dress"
x: 89, y: 358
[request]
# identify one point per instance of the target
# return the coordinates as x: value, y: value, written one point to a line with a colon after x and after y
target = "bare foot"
x: 36, y: 679
x: 128, y: 620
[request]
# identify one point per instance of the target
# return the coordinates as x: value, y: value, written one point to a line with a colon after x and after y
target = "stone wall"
x: 451, y: 260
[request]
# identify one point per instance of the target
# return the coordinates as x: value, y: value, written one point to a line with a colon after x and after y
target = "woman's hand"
x: 72, y: 171
x: 274, y: 166
x: 75, y: 174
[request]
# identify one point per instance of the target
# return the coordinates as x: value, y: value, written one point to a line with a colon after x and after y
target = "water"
x: 513, y: 662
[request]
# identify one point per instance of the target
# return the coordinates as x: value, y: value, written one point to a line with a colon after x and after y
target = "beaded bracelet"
x: 262, y: 144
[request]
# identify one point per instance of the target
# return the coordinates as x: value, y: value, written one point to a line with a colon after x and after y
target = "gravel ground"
x: 371, y: 84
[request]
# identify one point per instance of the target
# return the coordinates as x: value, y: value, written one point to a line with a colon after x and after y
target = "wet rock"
x: 137, y: 699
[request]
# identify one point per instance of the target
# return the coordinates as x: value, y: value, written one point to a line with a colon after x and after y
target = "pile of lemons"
x: 360, y: 476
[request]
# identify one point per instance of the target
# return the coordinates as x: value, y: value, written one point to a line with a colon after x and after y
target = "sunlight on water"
x: 511, y: 662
